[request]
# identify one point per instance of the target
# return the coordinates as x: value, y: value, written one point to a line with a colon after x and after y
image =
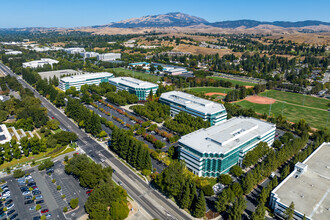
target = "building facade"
x: 134, y: 86
x: 39, y: 63
x: 213, y: 151
x: 308, y: 187
x: 108, y: 56
x: 79, y: 80
x: 74, y: 50
x: 207, y: 110
x: 4, y: 134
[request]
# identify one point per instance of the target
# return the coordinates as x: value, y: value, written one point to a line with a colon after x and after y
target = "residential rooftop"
x: 87, y: 76
x: 132, y: 82
x: 193, y: 102
x: 309, y: 190
x: 226, y: 136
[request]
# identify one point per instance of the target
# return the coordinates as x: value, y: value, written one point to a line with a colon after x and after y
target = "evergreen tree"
x: 237, y: 209
x: 289, y: 211
x: 259, y: 214
x: 192, y: 194
x: 200, y: 207
x: 185, y: 199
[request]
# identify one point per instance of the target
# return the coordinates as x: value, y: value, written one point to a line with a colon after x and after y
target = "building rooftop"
x: 57, y: 73
x: 226, y: 136
x: 86, y: 76
x: 193, y: 102
x: 133, y: 82
x: 309, y: 190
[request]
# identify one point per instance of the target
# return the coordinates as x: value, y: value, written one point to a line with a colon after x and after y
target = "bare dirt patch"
x: 249, y: 87
x: 203, y: 50
x: 260, y: 100
x: 215, y: 93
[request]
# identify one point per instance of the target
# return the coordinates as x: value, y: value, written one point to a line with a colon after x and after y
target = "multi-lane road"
x: 154, y: 203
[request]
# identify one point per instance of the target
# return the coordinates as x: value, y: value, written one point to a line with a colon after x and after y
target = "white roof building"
x: 13, y: 53
x: 108, y: 56
x: 89, y: 54
x: 74, y: 50
x: 39, y: 63
x: 4, y: 134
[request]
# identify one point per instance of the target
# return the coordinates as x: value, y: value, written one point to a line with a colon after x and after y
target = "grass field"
x: 316, y: 118
x: 297, y: 98
x: 234, y: 82
x: 210, y: 89
x: 139, y: 75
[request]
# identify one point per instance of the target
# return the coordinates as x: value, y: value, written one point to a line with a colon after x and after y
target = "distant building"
x: 174, y: 71
x: 58, y: 73
x: 108, y: 56
x: 39, y: 63
x: 79, y: 80
x: 89, y: 54
x: 143, y: 64
x: 4, y: 134
x: 308, y: 187
x: 213, y: 151
x: 13, y: 52
x: 134, y: 86
x: 207, y: 110
x: 74, y: 50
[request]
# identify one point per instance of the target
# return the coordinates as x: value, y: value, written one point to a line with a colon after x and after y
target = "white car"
x: 26, y: 193
x: 10, y: 206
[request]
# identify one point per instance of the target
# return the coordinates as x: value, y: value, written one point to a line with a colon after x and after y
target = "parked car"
x: 10, y: 212
x: 48, y: 215
x: 28, y: 177
x: 39, y: 197
x: 44, y: 211
x: 24, y: 188
x: 4, y: 186
x: 13, y: 216
x: 89, y: 191
x: 26, y: 193
x: 32, y: 208
x: 8, y: 202
x: 2, y: 214
x: 28, y: 202
x: 37, y: 218
x: 37, y: 192
x: 32, y: 184
x: 10, y: 206
x: 39, y: 201
x: 28, y: 197
x: 35, y: 188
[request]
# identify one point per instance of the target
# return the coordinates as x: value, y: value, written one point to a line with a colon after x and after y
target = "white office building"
x: 4, y: 134
x: 212, y: 151
x: 13, y: 52
x: 134, y: 86
x: 39, y: 63
x: 308, y: 187
x: 108, y: 56
x: 207, y: 110
x: 89, y: 54
x: 79, y: 80
x: 74, y: 50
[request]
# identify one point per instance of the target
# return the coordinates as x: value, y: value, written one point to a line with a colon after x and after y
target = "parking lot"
x: 36, y: 194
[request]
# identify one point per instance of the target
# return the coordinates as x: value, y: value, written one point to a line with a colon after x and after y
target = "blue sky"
x: 76, y: 13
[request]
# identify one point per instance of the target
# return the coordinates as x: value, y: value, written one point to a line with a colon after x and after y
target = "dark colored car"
x: 10, y: 212
x: 44, y: 211
x: 14, y: 216
x: 39, y: 201
x: 37, y: 192
x: 32, y: 184
x: 24, y: 188
x: 37, y: 218
x: 28, y: 197
x: 28, y: 202
x: 8, y: 202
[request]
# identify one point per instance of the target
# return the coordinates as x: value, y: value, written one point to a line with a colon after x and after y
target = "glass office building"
x: 207, y: 110
x: 134, y: 86
x: 212, y: 151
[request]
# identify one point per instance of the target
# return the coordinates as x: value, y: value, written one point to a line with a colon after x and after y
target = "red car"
x: 89, y: 191
x: 44, y: 211
x: 34, y: 187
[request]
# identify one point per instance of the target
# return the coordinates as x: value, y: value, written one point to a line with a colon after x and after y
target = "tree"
x: 160, y: 68
x: 200, y: 206
x: 74, y: 203
x: 237, y: 189
x: 38, y: 207
x: 285, y: 172
x: 18, y: 173
x: 236, y: 171
x: 237, y: 209
x: 53, y: 124
x: 225, y: 179
x: 289, y: 212
x: 60, y: 99
x: 185, y: 199
x: 119, y: 210
x: 152, y: 68
x: 259, y: 214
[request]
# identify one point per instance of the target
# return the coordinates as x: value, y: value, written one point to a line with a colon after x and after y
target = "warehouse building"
x: 108, y: 56
x: 134, y: 86
x: 40, y: 63
x: 207, y: 110
x: 79, y: 80
x: 213, y: 151
x: 308, y: 187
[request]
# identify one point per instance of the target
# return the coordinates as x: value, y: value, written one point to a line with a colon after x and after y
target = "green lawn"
x: 211, y: 89
x: 316, y: 118
x: 297, y: 98
x: 139, y: 75
x: 234, y: 82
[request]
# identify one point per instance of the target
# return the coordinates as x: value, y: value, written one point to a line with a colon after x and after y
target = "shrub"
x: 46, y: 164
x: 236, y: 171
x: 208, y: 191
x: 225, y: 179
x: 53, y: 180
x: 146, y: 172
x: 18, y: 173
x: 65, y: 209
x: 66, y: 158
x: 58, y: 187
x: 63, y: 196
x: 38, y: 207
x: 118, y: 210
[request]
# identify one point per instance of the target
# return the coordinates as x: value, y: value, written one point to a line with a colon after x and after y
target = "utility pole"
x: 270, y: 109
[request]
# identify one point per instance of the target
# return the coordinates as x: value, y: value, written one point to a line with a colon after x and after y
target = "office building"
x: 108, y: 56
x: 4, y: 134
x: 213, y: 151
x: 308, y: 187
x: 58, y: 73
x: 79, y: 80
x: 39, y: 63
x: 89, y: 54
x: 134, y: 86
x: 74, y: 50
x: 207, y: 110
x: 13, y: 52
